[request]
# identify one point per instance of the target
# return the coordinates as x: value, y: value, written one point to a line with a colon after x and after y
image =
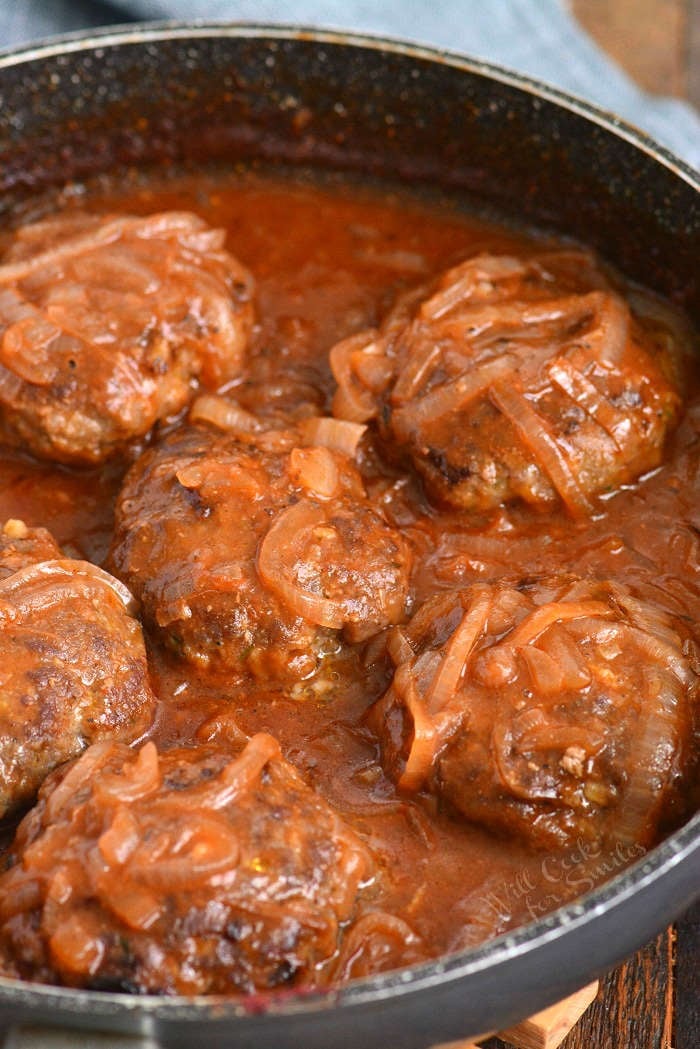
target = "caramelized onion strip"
x: 48, y: 583
x: 415, y: 371
x: 202, y: 849
x: 316, y: 470
x: 450, y: 397
x: 651, y: 758
x: 521, y: 320
x: 224, y: 414
x: 608, y: 337
x: 586, y: 396
x: 276, y: 562
x: 338, y: 435
x: 22, y: 892
x: 136, y: 780
x: 375, y: 942
x: 158, y: 225
x: 234, y: 780
x: 473, y: 279
x: 457, y: 653
x: 26, y: 339
x: 79, y: 774
x: 554, y: 612
x: 425, y: 742
x: 351, y: 400
x: 536, y: 436
x: 659, y: 652
x: 398, y: 646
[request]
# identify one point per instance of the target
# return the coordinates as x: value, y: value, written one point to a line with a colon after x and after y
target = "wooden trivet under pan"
x: 544, y: 1030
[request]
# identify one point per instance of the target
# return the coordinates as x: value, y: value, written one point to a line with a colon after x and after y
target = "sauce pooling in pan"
x: 406, y: 503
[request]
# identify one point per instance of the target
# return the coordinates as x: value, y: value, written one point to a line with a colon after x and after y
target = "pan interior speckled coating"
x: 180, y: 94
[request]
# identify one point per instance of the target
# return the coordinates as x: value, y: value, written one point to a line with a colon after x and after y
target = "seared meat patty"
x: 109, y: 324
x: 510, y: 378
x: 252, y: 550
x: 72, y: 659
x: 561, y: 709
x: 206, y: 869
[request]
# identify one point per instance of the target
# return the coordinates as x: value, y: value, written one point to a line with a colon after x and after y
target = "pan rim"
x: 159, y: 30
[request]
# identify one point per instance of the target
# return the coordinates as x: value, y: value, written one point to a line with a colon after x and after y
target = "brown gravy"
x: 328, y: 260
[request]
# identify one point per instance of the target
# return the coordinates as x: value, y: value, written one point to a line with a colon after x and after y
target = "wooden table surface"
x: 652, y: 1001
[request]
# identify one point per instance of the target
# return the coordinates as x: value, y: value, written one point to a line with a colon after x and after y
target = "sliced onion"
x: 340, y: 435
x: 436, y: 620
x: 543, y: 445
x: 588, y: 397
x: 456, y: 654
x: 315, y: 470
x: 26, y: 339
x: 201, y: 850
x: 425, y: 741
x: 78, y: 944
x: 137, y: 907
x: 547, y: 676
x: 558, y: 736
x: 78, y: 776
x: 48, y: 583
x: 224, y: 414
x: 650, y: 764
x: 135, y: 780
x: 82, y: 242
x: 416, y: 370
x: 554, y: 612
x: 561, y: 647
x: 521, y: 320
x: 351, y: 400
x: 21, y: 892
x: 450, y: 397
x: 375, y: 942
x: 161, y: 224
x: 232, y: 783
x: 374, y: 369
x: 277, y: 558
x: 203, y: 242
x: 608, y: 338
x: 11, y: 386
x: 496, y: 666
x: 398, y: 646
x: 661, y: 653
x: 100, y: 234
x: 117, y: 843
x: 650, y: 618
x: 514, y: 773
x: 473, y: 278
x: 120, y: 267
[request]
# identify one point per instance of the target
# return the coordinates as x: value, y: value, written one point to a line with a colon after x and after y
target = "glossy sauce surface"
x: 328, y: 261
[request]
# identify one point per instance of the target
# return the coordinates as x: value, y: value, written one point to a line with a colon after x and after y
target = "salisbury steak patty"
x: 110, y: 323
x: 206, y: 869
x: 72, y: 661
x: 515, y: 378
x: 252, y: 550
x: 559, y: 709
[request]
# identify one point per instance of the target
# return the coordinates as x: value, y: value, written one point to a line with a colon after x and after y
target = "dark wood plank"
x: 634, y: 1007
x: 686, y: 1033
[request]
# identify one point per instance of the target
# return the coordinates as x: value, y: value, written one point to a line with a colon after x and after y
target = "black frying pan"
x: 192, y: 94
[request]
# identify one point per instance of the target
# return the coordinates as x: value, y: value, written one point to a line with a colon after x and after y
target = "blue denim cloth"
x: 537, y: 37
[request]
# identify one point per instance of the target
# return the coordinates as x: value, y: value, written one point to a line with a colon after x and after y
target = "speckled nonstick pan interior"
x: 189, y: 94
